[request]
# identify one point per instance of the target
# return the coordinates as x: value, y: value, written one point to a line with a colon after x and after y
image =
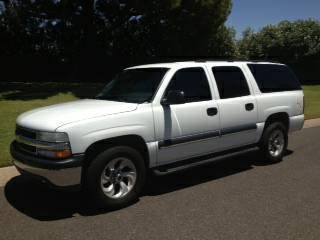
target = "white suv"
x: 160, y: 117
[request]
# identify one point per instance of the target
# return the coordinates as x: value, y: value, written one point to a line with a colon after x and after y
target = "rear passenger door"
x: 237, y: 107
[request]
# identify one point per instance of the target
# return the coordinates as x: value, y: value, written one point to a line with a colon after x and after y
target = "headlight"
x: 55, y: 137
x: 53, y: 145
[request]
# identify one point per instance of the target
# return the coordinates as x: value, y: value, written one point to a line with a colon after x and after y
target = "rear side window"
x: 274, y: 78
x: 231, y: 82
x: 193, y: 82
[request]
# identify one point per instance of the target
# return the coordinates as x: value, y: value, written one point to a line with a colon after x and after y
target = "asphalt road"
x: 238, y: 198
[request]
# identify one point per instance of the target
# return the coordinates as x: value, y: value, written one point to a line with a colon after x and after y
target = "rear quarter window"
x: 274, y: 78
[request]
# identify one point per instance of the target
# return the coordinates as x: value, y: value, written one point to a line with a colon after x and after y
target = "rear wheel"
x: 116, y: 177
x: 274, y: 142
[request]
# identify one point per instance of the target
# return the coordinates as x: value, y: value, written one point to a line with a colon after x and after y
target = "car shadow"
x: 208, y: 172
x: 38, y: 201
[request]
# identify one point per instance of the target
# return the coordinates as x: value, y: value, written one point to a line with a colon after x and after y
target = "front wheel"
x: 274, y: 142
x: 116, y: 177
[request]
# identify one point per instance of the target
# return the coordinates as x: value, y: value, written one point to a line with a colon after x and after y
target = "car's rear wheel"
x: 274, y: 142
x: 116, y: 177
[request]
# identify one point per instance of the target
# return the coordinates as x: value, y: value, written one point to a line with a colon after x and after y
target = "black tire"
x: 93, y: 177
x: 273, y: 128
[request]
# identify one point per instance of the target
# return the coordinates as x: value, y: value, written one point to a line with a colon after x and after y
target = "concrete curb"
x: 7, y: 173
x: 312, y: 123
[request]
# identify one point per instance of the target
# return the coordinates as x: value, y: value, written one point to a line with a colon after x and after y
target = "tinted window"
x: 274, y: 78
x: 193, y: 82
x: 231, y: 82
x: 134, y: 85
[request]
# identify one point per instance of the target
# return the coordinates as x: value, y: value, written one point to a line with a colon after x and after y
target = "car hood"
x: 54, y: 116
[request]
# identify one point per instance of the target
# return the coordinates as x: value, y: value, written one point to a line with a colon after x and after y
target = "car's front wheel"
x: 116, y: 177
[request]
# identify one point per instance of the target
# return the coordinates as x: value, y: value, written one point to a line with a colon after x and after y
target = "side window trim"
x: 212, y: 83
x: 253, y: 86
x: 191, y: 67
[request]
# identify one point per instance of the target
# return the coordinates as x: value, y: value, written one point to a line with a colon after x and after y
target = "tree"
x: 86, y: 36
x: 163, y: 27
x: 295, y: 43
x: 187, y: 27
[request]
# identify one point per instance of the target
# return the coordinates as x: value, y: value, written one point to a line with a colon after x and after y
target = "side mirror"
x: 173, y: 97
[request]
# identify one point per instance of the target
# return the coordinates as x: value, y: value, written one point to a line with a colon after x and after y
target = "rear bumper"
x: 65, y: 173
x: 296, y: 123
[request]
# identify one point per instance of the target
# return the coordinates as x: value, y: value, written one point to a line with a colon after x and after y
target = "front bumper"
x: 64, y: 173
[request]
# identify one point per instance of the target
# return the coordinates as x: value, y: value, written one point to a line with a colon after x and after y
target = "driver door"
x: 191, y: 128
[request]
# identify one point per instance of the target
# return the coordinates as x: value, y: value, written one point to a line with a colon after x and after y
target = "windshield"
x: 134, y: 85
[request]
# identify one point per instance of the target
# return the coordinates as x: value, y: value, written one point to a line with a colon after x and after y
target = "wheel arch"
x: 282, y: 117
x: 134, y: 141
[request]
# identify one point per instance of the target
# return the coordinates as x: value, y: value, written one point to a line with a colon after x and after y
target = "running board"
x: 190, y: 163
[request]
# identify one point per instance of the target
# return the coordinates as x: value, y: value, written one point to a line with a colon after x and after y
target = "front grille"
x: 23, y: 137
x: 26, y: 148
x: 27, y: 142
x: 27, y: 133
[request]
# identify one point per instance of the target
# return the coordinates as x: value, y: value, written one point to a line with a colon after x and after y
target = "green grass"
x: 17, y: 98
x: 9, y: 110
x: 312, y: 104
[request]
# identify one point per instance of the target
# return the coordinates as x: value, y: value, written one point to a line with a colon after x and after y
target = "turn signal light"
x: 63, y: 154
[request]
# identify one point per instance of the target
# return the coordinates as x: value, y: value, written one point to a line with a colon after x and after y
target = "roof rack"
x: 237, y: 60
x: 208, y: 58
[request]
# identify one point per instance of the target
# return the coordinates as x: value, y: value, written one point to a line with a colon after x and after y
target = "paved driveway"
x: 233, y: 199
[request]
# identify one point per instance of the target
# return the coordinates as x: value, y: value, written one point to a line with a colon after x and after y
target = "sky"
x: 258, y: 13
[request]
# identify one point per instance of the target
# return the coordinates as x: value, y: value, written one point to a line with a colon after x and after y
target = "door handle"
x: 249, y: 106
x: 212, y: 111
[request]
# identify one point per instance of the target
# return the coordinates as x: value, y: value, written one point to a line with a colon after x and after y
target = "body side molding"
x: 202, y: 136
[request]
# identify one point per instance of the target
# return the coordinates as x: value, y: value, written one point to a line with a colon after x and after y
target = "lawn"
x: 312, y: 98
x: 18, y: 98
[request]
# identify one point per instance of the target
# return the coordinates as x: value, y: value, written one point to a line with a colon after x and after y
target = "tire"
x: 105, y: 170
x: 274, y: 142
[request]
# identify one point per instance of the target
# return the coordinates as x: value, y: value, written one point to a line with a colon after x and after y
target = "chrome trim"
x: 25, y: 130
x: 62, y: 178
x: 42, y: 145
x: 276, y: 143
x: 22, y: 131
x: 118, y: 178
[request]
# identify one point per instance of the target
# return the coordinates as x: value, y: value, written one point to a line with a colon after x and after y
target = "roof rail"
x: 172, y: 59
x: 211, y: 58
x: 238, y: 60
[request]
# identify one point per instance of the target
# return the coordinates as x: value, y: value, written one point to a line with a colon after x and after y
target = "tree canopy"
x: 295, y: 43
x: 91, y: 34
x: 90, y: 40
